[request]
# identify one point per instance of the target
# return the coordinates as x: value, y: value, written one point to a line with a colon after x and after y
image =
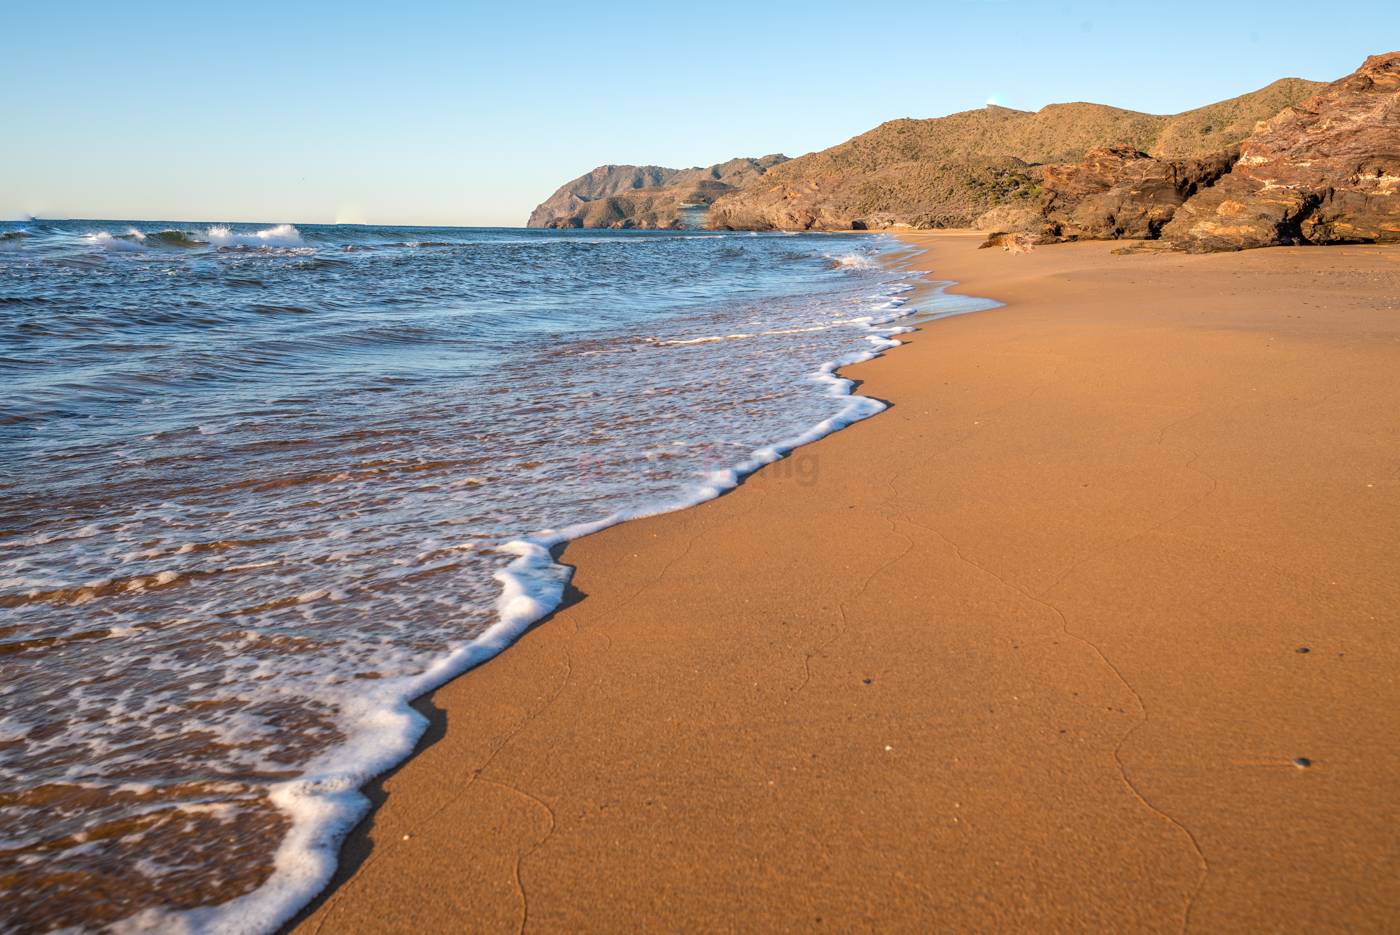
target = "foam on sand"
x: 325, y: 803
x: 275, y: 592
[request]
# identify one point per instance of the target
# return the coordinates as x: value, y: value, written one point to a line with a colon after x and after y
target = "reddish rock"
x: 1119, y: 192
x: 1009, y: 242
x: 1326, y: 170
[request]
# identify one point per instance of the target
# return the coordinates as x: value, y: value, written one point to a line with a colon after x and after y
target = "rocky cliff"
x: 949, y: 171
x: 644, y: 196
x: 1294, y: 162
x: 1325, y: 170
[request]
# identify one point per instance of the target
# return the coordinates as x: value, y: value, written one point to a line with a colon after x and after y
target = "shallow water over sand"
x: 262, y: 485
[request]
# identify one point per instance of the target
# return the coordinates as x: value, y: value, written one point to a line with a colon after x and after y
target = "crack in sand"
x: 657, y: 578
x: 521, y: 858
x: 1162, y: 432
x: 1123, y: 773
x: 511, y: 737
x: 807, y: 670
x: 382, y: 849
x: 553, y: 823
x: 841, y: 607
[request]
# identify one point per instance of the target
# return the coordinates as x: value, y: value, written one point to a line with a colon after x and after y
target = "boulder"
x: 1008, y: 241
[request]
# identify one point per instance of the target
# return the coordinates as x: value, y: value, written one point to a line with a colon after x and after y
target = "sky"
x: 470, y: 113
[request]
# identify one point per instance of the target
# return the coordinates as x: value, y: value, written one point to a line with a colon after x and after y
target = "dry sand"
x: 1037, y: 649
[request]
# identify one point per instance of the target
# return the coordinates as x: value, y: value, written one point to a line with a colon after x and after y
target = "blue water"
x: 260, y: 485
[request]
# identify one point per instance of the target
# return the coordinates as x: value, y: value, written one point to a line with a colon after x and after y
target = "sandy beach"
x: 1093, y: 630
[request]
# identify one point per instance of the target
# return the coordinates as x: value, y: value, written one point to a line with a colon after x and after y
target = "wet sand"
x: 1094, y: 630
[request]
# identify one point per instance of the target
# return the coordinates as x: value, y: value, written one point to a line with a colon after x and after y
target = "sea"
x: 261, y: 485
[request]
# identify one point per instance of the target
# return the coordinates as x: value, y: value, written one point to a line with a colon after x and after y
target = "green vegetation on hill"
x: 947, y: 171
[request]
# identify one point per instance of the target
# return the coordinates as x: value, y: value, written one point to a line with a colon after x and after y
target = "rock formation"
x: 1113, y: 192
x: 644, y: 196
x: 1295, y: 162
x: 1120, y: 192
x: 949, y: 171
x: 1009, y: 243
x: 1326, y: 170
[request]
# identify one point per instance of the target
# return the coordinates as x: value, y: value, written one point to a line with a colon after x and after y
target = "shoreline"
x: 733, y: 774
x: 535, y: 586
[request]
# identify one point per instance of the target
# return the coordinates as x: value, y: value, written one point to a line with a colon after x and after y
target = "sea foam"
x: 382, y: 507
x: 282, y: 235
x: 326, y: 802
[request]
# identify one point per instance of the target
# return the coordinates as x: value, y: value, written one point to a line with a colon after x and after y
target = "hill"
x: 948, y: 171
x: 644, y: 196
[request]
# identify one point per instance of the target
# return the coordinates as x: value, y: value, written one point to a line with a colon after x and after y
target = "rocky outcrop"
x: 1118, y: 192
x: 949, y: 171
x: 1113, y: 192
x: 1009, y: 242
x: 644, y: 196
x: 1295, y: 162
x: 1326, y: 170
x: 602, y: 182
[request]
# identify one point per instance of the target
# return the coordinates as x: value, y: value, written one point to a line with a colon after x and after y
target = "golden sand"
x: 1094, y: 630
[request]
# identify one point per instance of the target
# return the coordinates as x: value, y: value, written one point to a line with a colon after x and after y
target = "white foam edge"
x: 325, y: 803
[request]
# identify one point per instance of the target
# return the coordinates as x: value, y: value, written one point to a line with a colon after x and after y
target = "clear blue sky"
x: 471, y: 113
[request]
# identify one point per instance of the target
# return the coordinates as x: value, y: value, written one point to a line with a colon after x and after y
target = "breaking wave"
x: 266, y: 484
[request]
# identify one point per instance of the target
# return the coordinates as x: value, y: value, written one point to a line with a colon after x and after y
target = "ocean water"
x: 260, y: 486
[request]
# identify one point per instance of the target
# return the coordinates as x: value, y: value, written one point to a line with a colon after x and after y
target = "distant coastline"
x: 1296, y: 162
x: 1080, y: 587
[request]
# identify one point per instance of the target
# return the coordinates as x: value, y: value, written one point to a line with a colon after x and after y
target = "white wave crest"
x: 282, y: 235
x: 853, y: 261
x: 107, y: 241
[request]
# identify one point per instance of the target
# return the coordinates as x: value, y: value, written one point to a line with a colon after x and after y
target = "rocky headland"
x: 650, y: 197
x: 949, y: 171
x: 1295, y: 162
